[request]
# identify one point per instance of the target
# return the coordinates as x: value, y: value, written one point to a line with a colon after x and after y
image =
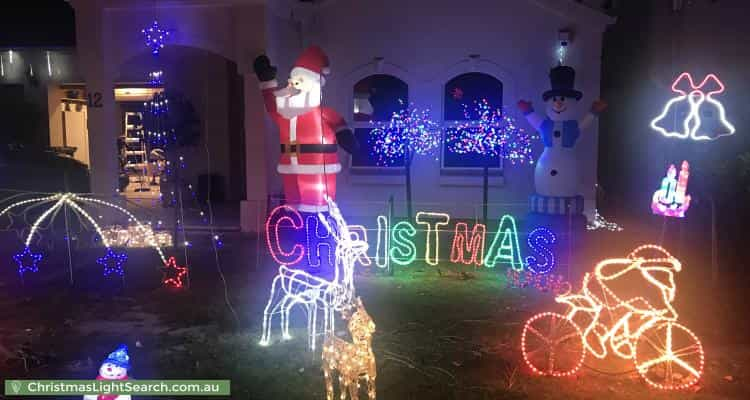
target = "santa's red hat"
x: 312, y: 64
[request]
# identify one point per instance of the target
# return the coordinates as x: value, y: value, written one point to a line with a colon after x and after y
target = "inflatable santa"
x: 310, y: 134
x: 556, y: 175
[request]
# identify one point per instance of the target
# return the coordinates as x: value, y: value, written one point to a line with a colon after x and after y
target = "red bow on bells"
x: 710, y: 85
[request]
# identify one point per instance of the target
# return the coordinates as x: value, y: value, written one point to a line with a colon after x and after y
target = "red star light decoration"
x: 173, y: 274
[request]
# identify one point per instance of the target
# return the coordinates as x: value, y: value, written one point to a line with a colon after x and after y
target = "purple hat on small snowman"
x: 119, y: 357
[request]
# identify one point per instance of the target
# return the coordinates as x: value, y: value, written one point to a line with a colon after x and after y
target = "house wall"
x: 203, y: 78
x: 425, y: 43
x: 233, y: 30
x: 420, y: 42
x: 26, y: 118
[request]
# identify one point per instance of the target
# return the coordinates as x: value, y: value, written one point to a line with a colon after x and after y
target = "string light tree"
x: 491, y: 133
x: 409, y: 132
x: 558, y: 203
x: 171, y: 124
x: 155, y: 133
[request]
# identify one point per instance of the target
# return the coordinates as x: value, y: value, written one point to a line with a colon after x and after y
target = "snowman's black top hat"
x: 562, y: 79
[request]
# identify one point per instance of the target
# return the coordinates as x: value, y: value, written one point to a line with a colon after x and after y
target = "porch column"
x: 253, y: 208
x: 96, y: 66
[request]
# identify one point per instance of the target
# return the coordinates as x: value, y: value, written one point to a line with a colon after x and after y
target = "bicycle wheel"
x: 552, y: 345
x: 669, y: 356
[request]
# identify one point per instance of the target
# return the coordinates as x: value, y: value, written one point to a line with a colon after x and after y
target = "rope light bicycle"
x: 612, y: 313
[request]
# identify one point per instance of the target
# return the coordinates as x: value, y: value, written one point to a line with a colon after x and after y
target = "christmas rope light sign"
x: 295, y: 241
x: 705, y: 118
x: 608, y: 315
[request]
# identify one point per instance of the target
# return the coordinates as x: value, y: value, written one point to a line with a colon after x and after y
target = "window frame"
x: 374, y: 68
x: 472, y: 65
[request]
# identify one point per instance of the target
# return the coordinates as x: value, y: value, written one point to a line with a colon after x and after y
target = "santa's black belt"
x: 309, y: 148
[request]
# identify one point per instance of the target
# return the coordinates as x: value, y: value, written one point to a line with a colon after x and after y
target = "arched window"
x: 376, y: 98
x: 460, y: 94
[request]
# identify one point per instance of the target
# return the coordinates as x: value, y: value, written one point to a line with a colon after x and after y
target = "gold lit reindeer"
x: 353, y: 361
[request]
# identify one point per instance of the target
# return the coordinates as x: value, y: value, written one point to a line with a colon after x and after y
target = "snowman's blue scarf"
x: 570, y: 132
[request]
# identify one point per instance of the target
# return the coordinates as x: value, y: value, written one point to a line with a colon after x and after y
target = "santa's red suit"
x: 308, y: 132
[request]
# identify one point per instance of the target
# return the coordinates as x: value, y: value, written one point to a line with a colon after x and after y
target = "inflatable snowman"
x: 114, y: 368
x: 556, y: 175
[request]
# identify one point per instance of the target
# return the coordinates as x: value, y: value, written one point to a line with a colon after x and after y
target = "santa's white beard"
x: 291, y: 105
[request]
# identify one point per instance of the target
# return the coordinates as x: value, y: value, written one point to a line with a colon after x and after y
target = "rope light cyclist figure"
x: 610, y: 313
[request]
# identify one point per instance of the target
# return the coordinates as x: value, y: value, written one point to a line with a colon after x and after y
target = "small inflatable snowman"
x: 556, y: 173
x: 114, y: 368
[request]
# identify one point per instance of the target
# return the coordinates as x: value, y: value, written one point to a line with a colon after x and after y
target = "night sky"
x: 32, y: 23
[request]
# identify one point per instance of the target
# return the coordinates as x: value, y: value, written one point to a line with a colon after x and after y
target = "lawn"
x: 441, y: 334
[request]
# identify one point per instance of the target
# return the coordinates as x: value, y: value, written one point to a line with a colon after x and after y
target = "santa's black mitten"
x: 347, y: 140
x: 263, y: 68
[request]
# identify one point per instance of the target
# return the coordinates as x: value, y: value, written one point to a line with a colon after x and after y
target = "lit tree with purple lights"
x: 489, y: 132
x: 409, y: 132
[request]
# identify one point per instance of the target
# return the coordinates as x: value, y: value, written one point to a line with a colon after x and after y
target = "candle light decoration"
x: 671, y: 199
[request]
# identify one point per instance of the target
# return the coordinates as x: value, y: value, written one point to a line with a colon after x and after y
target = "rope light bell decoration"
x: 705, y: 119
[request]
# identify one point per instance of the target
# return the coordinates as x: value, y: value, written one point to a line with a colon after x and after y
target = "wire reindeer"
x: 293, y: 287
